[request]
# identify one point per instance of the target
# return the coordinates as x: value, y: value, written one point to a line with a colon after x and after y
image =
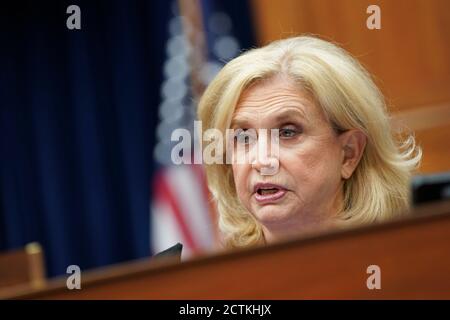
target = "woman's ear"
x: 353, y: 143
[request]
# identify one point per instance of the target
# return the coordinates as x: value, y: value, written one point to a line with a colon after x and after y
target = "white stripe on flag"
x: 188, y: 190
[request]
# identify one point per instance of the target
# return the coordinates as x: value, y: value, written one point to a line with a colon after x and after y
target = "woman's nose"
x: 265, y: 158
x: 267, y: 165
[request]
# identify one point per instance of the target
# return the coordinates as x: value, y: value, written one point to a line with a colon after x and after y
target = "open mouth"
x: 268, y: 193
x: 264, y: 191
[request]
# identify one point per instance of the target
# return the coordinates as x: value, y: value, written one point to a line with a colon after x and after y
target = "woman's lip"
x: 265, y: 198
x: 266, y: 186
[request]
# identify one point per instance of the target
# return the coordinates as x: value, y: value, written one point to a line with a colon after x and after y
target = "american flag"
x: 200, y: 41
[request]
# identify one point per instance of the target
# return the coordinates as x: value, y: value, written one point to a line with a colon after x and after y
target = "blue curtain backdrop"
x: 77, y: 126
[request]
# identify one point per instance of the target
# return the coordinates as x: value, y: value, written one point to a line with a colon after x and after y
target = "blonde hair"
x: 379, y: 187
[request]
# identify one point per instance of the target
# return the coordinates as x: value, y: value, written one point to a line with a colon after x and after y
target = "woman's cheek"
x: 240, y: 178
x: 292, y: 159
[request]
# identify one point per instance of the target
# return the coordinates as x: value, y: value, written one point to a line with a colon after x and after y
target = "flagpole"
x: 195, y: 34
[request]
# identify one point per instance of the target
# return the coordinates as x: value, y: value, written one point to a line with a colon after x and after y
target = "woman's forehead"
x: 274, y: 100
x: 268, y: 115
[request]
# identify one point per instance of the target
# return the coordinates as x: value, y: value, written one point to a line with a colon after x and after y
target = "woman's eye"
x: 288, y: 132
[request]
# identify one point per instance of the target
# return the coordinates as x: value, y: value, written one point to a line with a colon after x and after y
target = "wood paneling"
x: 411, y: 253
x: 409, y: 56
x: 431, y: 126
x: 436, y: 149
x: 22, y: 266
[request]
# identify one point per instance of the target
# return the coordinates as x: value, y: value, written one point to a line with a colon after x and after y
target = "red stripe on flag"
x: 165, y: 194
x: 210, y: 203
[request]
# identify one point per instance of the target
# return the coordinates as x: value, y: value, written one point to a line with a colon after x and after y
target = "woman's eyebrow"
x: 290, y: 113
x: 239, y: 123
x: 286, y: 114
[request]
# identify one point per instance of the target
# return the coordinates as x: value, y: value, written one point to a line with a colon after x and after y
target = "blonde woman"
x: 338, y: 162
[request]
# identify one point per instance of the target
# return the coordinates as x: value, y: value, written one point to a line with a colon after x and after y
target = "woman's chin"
x: 272, y: 214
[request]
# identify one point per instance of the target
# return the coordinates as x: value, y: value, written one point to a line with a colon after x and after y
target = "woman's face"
x: 306, y: 189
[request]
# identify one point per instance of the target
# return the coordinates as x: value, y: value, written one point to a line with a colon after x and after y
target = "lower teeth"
x: 263, y: 192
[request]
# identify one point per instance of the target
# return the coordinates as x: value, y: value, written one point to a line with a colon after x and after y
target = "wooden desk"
x: 413, y: 254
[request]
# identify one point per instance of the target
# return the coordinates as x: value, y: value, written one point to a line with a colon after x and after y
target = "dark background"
x: 77, y: 125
